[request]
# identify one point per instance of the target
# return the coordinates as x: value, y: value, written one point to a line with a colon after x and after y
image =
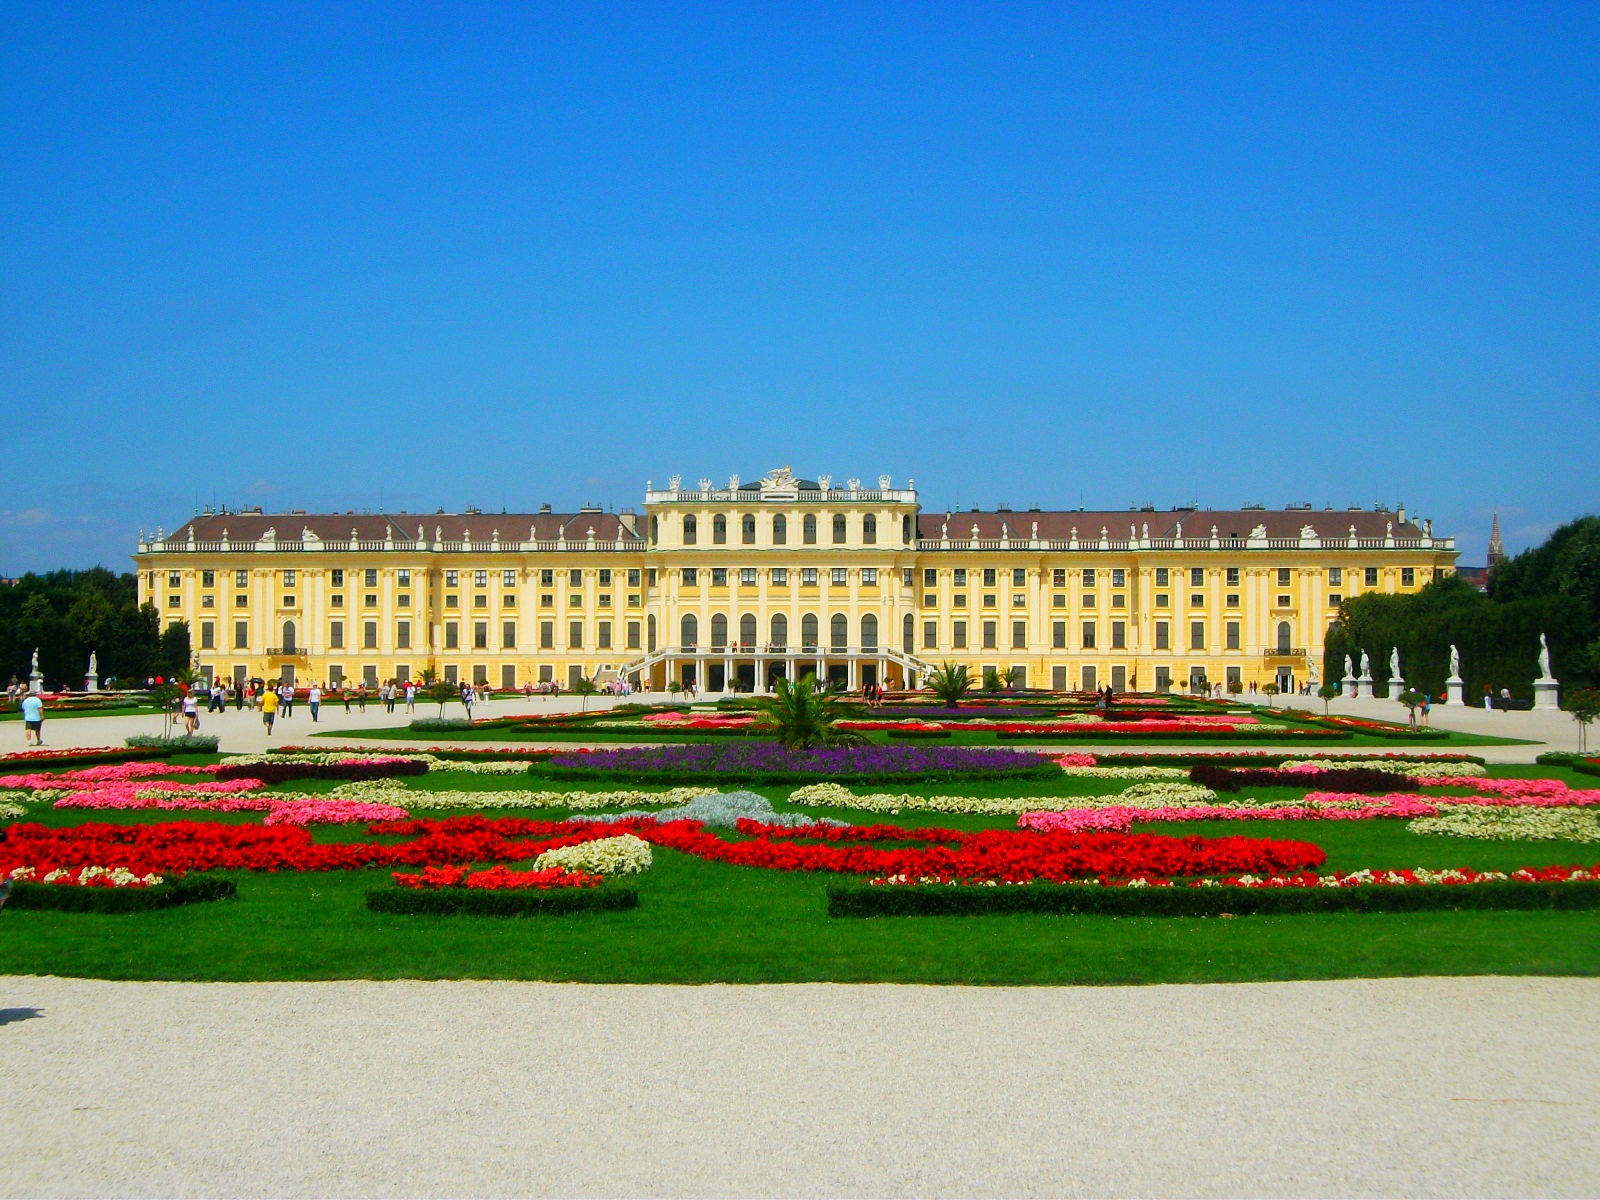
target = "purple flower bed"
x: 767, y: 762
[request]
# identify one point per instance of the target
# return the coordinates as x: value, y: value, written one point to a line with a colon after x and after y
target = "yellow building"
x: 730, y: 587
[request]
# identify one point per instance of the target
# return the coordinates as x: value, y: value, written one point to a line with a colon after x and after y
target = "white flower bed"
x: 10, y: 811
x: 625, y: 855
x: 1144, y: 795
x: 1417, y: 769
x: 394, y: 791
x: 1128, y: 772
x: 1159, y: 795
x: 115, y: 876
x: 1511, y: 824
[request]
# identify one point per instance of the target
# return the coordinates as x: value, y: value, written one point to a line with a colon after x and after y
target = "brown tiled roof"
x: 450, y: 527
x: 1196, y: 523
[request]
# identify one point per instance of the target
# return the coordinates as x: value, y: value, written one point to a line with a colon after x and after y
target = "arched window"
x: 691, y: 530
x: 655, y: 530
x: 869, y: 632
x: 905, y: 529
x: 780, y: 631
x: 808, y: 530
x: 839, y: 628
x: 691, y: 631
x: 808, y: 631
x: 838, y: 529
x: 650, y: 632
x: 869, y: 530
x: 747, y: 631
x: 908, y: 634
x: 780, y: 530
x: 719, y: 631
x: 719, y: 530
x: 1285, y: 637
x: 288, y: 636
x: 747, y: 529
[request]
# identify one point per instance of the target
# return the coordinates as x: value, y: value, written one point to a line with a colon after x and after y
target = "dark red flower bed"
x: 350, y: 772
x: 1365, y: 780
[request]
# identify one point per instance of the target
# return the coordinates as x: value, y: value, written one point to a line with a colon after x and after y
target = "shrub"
x: 181, y: 743
x: 446, y: 902
x: 439, y: 724
x: 193, y: 889
x: 853, y: 900
x: 1365, y: 780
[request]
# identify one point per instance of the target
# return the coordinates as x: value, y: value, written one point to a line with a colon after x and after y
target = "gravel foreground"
x: 1466, y: 1087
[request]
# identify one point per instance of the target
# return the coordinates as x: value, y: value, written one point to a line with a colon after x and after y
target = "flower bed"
x: 269, y: 771
x: 1120, y: 817
x: 453, y: 753
x: 1267, y: 758
x: 498, y: 879
x: 194, y: 889
x: 1512, y: 824
x: 386, y: 792
x: 624, y: 855
x: 1348, y: 779
x: 101, y: 754
x: 1566, y: 888
x: 766, y: 762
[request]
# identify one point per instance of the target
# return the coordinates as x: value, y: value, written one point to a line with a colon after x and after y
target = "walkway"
x: 1420, y: 1087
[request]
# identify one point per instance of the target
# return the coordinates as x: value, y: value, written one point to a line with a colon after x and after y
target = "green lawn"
x: 702, y: 922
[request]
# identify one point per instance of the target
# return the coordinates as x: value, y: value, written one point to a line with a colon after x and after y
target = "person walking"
x: 361, y: 696
x: 314, y: 701
x: 32, y: 720
x: 191, y: 714
x: 269, y: 709
x: 1488, y: 697
x: 411, y: 696
x: 344, y: 694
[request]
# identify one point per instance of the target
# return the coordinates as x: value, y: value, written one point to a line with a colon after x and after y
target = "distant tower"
x: 1497, y: 548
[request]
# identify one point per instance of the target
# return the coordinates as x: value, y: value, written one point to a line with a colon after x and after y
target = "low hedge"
x: 943, y: 900
x: 183, y: 743
x: 349, y: 772
x: 441, y: 724
x: 773, y: 778
x: 919, y: 735
x: 192, y: 889
x: 1581, y: 763
x: 1090, y: 734
x: 480, y: 902
x: 1252, y: 760
x: 86, y: 758
x: 1364, y: 780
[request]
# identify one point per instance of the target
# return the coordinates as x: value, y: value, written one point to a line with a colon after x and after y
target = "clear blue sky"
x: 332, y: 255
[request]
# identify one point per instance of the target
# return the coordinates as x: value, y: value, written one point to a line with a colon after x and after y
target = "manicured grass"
x: 703, y: 922
x: 67, y: 714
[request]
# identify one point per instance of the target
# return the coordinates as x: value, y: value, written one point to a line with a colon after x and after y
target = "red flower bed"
x: 497, y: 879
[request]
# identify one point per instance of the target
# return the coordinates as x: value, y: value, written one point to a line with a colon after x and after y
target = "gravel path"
x: 1389, y: 1087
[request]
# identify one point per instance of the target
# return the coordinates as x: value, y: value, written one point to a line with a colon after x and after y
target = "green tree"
x: 1328, y: 691
x: 175, y: 648
x: 1412, y: 699
x: 806, y: 714
x: 949, y: 683
x: 1270, y: 690
x: 1584, y: 705
x: 585, y: 687
x: 441, y: 692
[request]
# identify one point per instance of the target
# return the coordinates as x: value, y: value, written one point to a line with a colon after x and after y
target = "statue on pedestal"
x: 1366, y: 666
x: 1349, y: 668
x: 1544, y: 658
x: 91, y: 682
x: 1455, y: 662
x: 1394, y: 663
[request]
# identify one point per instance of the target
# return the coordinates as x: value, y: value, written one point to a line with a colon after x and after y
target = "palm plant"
x: 806, y: 714
x: 949, y: 683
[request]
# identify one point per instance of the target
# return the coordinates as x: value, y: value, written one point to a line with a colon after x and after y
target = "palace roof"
x: 1197, y: 523
x: 377, y: 527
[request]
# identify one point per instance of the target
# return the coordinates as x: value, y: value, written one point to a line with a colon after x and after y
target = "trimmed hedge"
x: 84, y: 759
x: 349, y: 772
x: 1090, y: 734
x: 183, y: 743
x: 481, y: 902
x: 772, y: 778
x: 192, y: 889
x: 1584, y: 764
x: 1253, y: 760
x: 441, y: 724
x: 1367, y: 780
x: 919, y: 735
x: 856, y: 900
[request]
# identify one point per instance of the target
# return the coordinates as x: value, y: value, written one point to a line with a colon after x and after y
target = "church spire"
x: 1497, y: 548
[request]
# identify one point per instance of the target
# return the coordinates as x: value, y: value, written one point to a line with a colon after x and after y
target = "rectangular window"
x: 509, y: 600
x: 547, y: 601
x: 1088, y: 577
x: 1197, y: 577
x: 1233, y: 576
x: 988, y: 600
x: 1371, y: 578
x: 1019, y: 577
x: 208, y: 601
x: 1019, y: 635
x: 575, y: 635
x: 908, y: 577
x: 241, y: 635
x: 370, y: 600
x: 605, y: 576
x: 930, y: 635
x: 208, y: 579
x: 1335, y: 599
x: 604, y: 599
x: 1058, y: 601
x: 369, y: 635
x: 547, y: 578
x: 508, y: 635
x: 1119, y: 635
x: 479, y: 578
x: 1163, y: 600
x: 208, y: 635
x: 633, y: 635
x: 869, y: 576
x: 507, y: 579
x: 747, y: 577
x: 1232, y: 630
x: 1336, y: 576
x: 403, y: 600
x: 575, y: 600
x: 930, y: 577
x: 1163, y: 577
x: 547, y: 635
x: 403, y: 578
x: 1163, y: 640
x: 1119, y: 577
x: 958, y: 635
x: 1019, y: 600
x: 1058, y: 635
x: 1119, y: 601
x: 808, y: 577
x: 452, y: 674
x: 1088, y: 635
x: 1232, y: 599
x: 241, y: 579
x: 1197, y: 635
x: 780, y: 577
x: 452, y: 579
x: 958, y: 600
x: 719, y: 576
x: 372, y: 577
x: 988, y: 577
x: 603, y: 640
x: 574, y: 578
x: 959, y: 577
x: 288, y: 601
x: 1088, y: 600
x: 402, y: 635
x: 288, y: 579
x: 989, y: 633
x: 452, y: 635
x: 691, y: 577
x: 839, y: 576
x: 1283, y: 576
x: 1058, y: 577
x: 633, y: 576
x: 1408, y: 576
x: 1285, y: 601
x: 1197, y: 599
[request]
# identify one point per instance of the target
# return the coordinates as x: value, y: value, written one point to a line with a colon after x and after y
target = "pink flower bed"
x: 1121, y: 818
x: 678, y: 720
x: 279, y: 811
x: 109, y: 773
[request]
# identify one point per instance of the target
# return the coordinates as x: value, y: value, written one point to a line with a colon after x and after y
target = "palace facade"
x: 731, y: 587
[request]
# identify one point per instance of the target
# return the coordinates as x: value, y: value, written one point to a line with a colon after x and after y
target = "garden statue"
x: 1349, y: 668
x: 91, y: 682
x: 1455, y: 688
x: 1544, y: 658
x: 1455, y: 662
x: 1394, y: 663
x: 1366, y: 666
x: 1313, y: 671
x: 1546, y: 691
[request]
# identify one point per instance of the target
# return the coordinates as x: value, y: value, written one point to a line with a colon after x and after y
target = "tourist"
x: 314, y: 701
x: 394, y: 694
x: 286, y: 699
x: 1488, y: 697
x: 344, y: 693
x: 411, y: 696
x: 269, y: 709
x: 361, y: 696
x: 32, y: 721
x: 1505, y: 699
x: 191, y: 714
x: 1427, y: 704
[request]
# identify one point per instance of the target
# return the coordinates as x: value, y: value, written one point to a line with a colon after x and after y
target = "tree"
x: 174, y: 653
x: 806, y: 714
x: 1235, y: 687
x: 167, y: 697
x: 949, y: 683
x: 428, y: 676
x: 585, y: 687
x: 1270, y: 690
x: 1011, y: 676
x: 1412, y: 699
x: 992, y: 681
x: 441, y: 692
x: 1328, y: 691
x: 1584, y: 705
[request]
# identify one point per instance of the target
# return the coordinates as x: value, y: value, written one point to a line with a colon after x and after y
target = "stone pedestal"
x: 1364, y: 688
x: 91, y: 684
x: 1348, y: 687
x: 1546, y: 693
x: 36, y: 683
x: 1396, y: 687
x: 1455, y: 689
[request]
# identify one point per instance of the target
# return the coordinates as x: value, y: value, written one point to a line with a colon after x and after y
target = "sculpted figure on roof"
x: 779, y: 479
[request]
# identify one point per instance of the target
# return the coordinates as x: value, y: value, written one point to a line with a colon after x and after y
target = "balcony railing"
x: 285, y: 652
x: 1285, y: 652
